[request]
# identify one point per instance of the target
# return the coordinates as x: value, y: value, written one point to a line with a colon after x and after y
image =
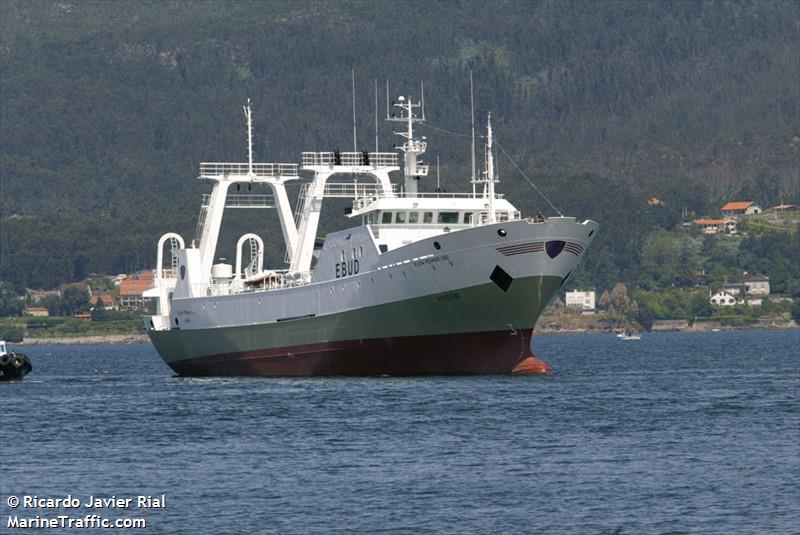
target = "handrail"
x: 243, y: 200
x: 354, y: 190
x: 270, y: 281
x: 231, y: 169
x: 351, y: 159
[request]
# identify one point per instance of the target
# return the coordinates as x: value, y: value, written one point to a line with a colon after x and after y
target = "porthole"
x: 501, y: 232
x: 437, y: 245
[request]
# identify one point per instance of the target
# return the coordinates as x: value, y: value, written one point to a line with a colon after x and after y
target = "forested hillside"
x: 106, y: 108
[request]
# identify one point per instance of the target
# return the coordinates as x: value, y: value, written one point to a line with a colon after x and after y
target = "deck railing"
x: 263, y: 170
x: 272, y: 281
x: 351, y: 159
x: 243, y: 200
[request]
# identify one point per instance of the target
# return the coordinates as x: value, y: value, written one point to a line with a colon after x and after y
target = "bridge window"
x: 468, y: 218
x: 427, y: 217
x: 502, y: 216
x: 386, y: 218
x: 448, y: 217
x: 413, y: 217
x: 400, y: 217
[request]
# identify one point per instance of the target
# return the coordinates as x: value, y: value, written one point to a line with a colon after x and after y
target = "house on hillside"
x: 107, y: 300
x: 581, y: 300
x: 736, y: 289
x: 757, y: 285
x: 132, y: 288
x: 723, y: 299
x: 784, y: 208
x: 36, y: 311
x: 733, y: 209
x: 716, y: 226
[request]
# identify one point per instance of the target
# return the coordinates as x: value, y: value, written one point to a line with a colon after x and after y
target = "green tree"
x: 74, y: 300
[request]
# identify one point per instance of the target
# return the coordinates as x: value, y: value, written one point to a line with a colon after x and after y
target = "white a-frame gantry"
x: 225, y: 175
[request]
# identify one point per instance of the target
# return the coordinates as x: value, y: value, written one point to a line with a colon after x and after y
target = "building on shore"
x: 132, y: 288
x: 736, y: 289
x: 36, y: 311
x: 757, y: 285
x: 582, y: 300
x: 722, y: 299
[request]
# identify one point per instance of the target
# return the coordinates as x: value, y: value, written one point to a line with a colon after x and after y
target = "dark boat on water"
x: 13, y: 366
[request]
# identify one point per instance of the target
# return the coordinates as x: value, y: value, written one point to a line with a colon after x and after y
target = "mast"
x: 355, y: 143
x: 472, y: 119
x: 376, y: 115
x: 412, y: 147
x: 490, y: 178
x: 248, y: 113
x: 438, y: 186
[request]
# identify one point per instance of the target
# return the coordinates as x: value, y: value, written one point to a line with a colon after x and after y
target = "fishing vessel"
x: 423, y: 282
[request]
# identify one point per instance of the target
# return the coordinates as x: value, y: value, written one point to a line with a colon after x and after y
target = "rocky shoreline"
x: 87, y: 340
x: 665, y: 326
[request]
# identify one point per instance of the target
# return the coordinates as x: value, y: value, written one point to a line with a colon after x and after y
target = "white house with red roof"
x: 715, y: 226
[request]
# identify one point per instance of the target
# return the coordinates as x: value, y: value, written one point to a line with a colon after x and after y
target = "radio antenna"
x: 376, y: 115
x: 355, y: 143
x: 438, y: 188
x: 249, y: 116
x: 472, y: 117
x: 422, y: 97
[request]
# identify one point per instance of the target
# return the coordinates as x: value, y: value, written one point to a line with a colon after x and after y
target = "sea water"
x: 674, y: 433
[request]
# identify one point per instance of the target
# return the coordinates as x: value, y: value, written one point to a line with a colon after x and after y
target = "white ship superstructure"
x: 425, y: 282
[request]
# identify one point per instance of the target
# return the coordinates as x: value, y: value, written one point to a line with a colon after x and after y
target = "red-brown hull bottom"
x: 467, y: 353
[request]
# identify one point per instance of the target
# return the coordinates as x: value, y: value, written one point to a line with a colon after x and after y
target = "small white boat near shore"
x: 629, y: 336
